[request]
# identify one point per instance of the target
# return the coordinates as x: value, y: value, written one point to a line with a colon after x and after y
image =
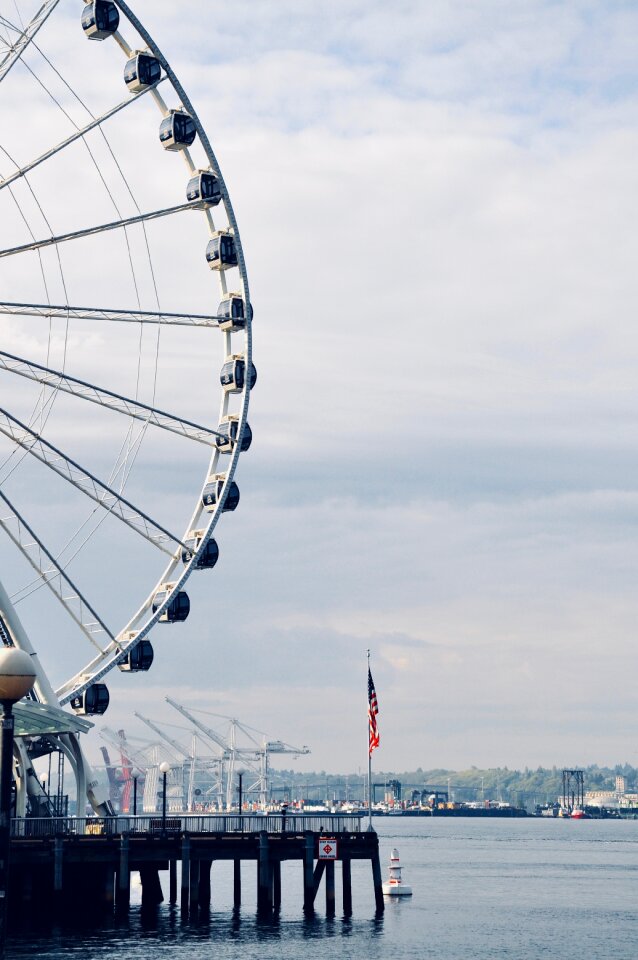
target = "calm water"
x: 515, y: 889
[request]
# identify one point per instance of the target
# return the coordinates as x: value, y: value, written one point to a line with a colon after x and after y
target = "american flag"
x: 373, y: 709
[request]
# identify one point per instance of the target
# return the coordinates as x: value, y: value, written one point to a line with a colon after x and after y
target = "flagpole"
x: 369, y: 767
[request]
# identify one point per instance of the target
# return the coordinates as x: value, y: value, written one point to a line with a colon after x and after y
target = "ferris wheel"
x: 120, y: 432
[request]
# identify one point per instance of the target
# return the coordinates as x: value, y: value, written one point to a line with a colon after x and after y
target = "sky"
x: 438, y: 207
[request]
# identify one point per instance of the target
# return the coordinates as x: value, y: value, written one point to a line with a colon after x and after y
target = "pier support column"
x: 194, y: 884
x: 204, y: 885
x: 237, y: 883
x: 276, y: 885
x: 319, y: 871
x: 124, y: 875
x: 308, y: 865
x: 58, y: 857
x: 108, y: 892
x: 346, y: 879
x: 25, y: 893
x: 151, y: 886
x: 264, y: 873
x: 186, y: 872
x: 376, y: 879
x: 330, y: 887
x: 172, y: 881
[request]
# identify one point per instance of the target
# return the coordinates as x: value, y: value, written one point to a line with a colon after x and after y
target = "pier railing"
x: 179, y: 823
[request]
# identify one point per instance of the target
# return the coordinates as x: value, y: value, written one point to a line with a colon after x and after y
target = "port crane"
x: 137, y: 762
x: 255, y: 757
x: 190, y: 759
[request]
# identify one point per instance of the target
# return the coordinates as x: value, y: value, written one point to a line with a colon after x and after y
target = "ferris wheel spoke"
x: 99, y: 313
x: 101, y: 228
x: 107, y: 398
x: 24, y: 36
x: 52, y: 574
x: 78, y: 134
x: 86, y: 482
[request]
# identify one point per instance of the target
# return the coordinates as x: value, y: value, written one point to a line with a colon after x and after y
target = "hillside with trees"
x: 524, y: 788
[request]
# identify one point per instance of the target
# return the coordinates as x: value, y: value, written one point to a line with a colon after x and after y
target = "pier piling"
x: 376, y: 878
x: 308, y: 878
x: 276, y: 885
x: 108, y: 890
x: 330, y: 887
x: 237, y: 883
x: 346, y: 880
x: 204, y: 885
x: 58, y: 859
x: 194, y: 884
x: 124, y: 875
x: 316, y: 879
x: 264, y: 873
x: 151, y: 886
x: 172, y: 881
x: 186, y: 872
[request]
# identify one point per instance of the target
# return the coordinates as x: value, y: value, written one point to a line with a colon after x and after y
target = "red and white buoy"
x: 394, y: 885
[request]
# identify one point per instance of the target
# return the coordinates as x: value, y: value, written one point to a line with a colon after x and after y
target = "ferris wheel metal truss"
x: 146, y: 70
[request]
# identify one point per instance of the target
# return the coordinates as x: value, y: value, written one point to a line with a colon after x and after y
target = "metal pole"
x: 369, y: 790
x: 241, y: 777
x: 6, y: 776
x: 369, y: 765
x: 135, y: 795
x: 164, y: 805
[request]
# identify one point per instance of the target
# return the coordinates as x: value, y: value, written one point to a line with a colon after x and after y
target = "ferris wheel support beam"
x: 81, y: 132
x: 106, y: 398
x: 100, y: 228
x: 98, y: 313
x: 85, y: 481
x: 25, y: 37
x: 19, y: 638
x: 76, y: 605
x: 86, y: 783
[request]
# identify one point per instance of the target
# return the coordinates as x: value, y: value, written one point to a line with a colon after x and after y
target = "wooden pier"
x: 77, y: 864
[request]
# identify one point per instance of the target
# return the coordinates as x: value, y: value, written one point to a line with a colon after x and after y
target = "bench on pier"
x: 170, y: 825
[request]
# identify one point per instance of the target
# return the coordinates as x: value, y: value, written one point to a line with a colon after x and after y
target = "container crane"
x: 255, y: 757
x: 187, y: 758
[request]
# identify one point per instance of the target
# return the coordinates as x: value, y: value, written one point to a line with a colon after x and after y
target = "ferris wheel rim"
x: 176, y: 572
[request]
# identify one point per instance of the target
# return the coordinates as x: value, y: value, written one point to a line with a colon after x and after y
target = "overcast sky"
x: 438, y: 205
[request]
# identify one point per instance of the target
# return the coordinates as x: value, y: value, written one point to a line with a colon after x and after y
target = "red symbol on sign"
x: 327, y: 848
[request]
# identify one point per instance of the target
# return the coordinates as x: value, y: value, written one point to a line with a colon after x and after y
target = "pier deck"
x: 71, y: 863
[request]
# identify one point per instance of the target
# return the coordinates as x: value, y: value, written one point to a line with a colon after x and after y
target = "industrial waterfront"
x: 512, y: 889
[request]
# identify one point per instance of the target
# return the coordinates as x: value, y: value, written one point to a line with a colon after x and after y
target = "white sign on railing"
x: 327, y: 848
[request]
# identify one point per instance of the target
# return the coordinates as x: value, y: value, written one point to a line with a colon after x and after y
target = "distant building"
x: 621, y: 784
x: 613, y: 801
x: 601, y: 798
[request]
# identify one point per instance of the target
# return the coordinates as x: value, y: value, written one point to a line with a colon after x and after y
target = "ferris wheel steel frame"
x: 28, y: 437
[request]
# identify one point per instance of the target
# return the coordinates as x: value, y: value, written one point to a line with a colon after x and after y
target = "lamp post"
x: 240, y: 775
x: 44, y: 780
x: 165, y: 768
x: 16, y: 679
x: 241, y: 782
x: 134, y: 794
